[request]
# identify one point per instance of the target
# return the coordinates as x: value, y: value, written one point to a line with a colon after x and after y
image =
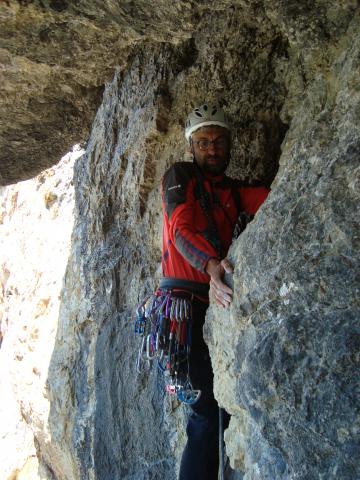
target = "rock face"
x: 58, y: 56
x: 286, y: 355
x: 36, y: 222
x: 286, y: 368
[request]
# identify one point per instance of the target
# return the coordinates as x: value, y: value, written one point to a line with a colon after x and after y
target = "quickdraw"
x: 163, y: 321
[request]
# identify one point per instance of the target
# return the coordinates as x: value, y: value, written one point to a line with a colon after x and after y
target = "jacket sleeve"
x: 180, y: 208
x: 252, y: 198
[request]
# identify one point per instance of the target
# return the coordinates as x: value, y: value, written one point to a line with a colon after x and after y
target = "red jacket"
x: 188, y: 239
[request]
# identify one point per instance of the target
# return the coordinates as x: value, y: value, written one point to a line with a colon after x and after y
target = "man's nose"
x: 211, y: 147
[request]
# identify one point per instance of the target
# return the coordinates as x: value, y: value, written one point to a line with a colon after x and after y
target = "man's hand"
x: 221, y: 292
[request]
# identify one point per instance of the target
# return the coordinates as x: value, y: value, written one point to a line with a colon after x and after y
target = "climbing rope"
x: 221, y: 474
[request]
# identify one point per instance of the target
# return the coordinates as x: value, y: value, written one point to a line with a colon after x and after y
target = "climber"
x: 202, y: 207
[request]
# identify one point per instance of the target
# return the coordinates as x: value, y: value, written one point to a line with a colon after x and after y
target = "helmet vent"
x: 206, y: 115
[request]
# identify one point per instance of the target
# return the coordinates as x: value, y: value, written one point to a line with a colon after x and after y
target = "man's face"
x: 215, y: 157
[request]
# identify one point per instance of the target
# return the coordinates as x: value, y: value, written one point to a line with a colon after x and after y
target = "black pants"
x: 200, y: 459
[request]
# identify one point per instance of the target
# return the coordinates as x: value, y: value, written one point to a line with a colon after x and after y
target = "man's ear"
x: 190, y: 150
x: 190, y: 147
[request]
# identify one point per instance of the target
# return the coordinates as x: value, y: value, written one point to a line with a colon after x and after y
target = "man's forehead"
x: 210, y: 129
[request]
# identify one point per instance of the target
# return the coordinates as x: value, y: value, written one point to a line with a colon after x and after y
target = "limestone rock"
x: 285, y: 357
x: 34, y: 245
x: 287, y: 366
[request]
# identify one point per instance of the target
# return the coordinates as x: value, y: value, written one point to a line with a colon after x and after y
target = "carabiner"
x: 149, y: 346
x: 187, y: 396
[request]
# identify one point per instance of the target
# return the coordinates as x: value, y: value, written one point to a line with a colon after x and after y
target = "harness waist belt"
x: 201, y: 289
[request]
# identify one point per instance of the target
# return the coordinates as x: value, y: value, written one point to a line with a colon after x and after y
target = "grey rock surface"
x: 287, y: 367
x: 286, y: 355
x: 36, y: 223
x: 56, y: 56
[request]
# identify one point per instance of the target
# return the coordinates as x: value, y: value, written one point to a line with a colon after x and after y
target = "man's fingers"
x: 227, y: 266
x: 221, y: 286
x: 221, y: 292
x: 221, y: 301
x: 221, y: 297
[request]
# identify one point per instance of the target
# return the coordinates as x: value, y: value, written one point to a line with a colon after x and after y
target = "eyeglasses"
x: 219, y: 143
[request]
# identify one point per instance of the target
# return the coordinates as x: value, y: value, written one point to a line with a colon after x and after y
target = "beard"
x: 215, y: 165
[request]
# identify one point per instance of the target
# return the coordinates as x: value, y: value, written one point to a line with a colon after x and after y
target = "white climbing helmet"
x: 203, y: 116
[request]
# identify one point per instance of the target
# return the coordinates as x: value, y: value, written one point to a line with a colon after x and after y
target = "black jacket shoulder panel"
x: 175, y: 183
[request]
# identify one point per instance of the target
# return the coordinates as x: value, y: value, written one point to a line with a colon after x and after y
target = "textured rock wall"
x: 117, y: 431
x: 287, y: 366
x: 59, y: 54
x: 288, y: 76
x: 121, y: 426
x: 36, y: 221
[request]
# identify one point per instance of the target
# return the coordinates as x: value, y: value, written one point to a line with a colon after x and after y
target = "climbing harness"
x: 163, y: 322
